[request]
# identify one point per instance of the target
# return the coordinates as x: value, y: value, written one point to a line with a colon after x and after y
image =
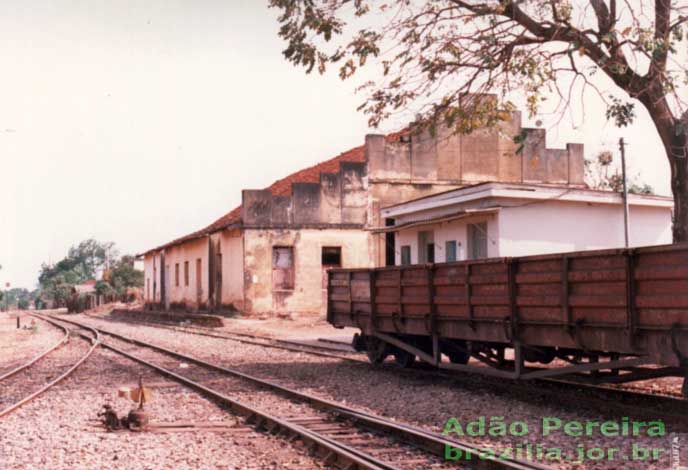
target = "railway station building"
x: 496, y: 219
x: 271, y: 253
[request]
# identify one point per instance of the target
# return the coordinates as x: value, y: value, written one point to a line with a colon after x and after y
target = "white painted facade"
x: 528, y: 219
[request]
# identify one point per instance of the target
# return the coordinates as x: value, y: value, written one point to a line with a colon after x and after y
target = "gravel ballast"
x: 60, y: 430
x: 419, y: 401
x: 19, y: 346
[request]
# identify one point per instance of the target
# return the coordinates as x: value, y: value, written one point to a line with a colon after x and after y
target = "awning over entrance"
x: 437, y: 219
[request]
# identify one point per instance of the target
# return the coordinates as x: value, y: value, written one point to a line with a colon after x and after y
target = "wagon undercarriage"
x: 611, y: 316
x: 515, y: 361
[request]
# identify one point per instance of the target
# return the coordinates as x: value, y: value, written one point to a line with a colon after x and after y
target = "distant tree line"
x: 86, y: 261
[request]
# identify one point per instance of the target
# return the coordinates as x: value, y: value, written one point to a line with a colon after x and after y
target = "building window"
x: 331, y: 256
x: 405, y: 255
x: 186, y: 273
x: 390, y: 241
x: 176, y: 274
x: 282, y: 268
x: 477, y: 240
x: 450, y: 250
x: 426, y: 247
x: 199, y: 279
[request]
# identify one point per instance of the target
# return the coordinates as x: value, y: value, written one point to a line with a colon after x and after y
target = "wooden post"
x: 433, y: 314
x: 513, y: 304
x: 566, y: 308
x: 631, y: 311
x: 373, y: 307
x: 469, y: 306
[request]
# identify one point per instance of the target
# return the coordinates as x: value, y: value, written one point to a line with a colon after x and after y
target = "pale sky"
x: 138, y: 122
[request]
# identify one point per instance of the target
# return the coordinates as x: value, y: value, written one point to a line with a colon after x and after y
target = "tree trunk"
x: 674, y: 135
x: 679, y: 183
x: 679, y: 188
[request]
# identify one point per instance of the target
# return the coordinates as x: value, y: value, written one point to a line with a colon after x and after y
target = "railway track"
x: 672, y: 409
x: 38, y: 357
x: 258, y: 340
x: 25, y: 383
x: 342, y: 436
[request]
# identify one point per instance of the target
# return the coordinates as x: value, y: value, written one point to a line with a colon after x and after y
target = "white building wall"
x: 445, y: 231
x: 547, y: 227
x: 189, y: 295
x: 555, y: 227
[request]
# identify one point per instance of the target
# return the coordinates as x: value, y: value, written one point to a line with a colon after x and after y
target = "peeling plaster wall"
x: 308, y: 293
x: 188, y: 296
x: 339, y: 199
x: 420, y: 165
x: 338, y: 209
x: 151, y: 272
x: 232, y: 247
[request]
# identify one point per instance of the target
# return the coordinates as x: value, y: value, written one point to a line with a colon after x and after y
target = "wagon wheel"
x: 404, y: 359
x: 457, y: 352
x: 459, y: 357
x: 377, y: 350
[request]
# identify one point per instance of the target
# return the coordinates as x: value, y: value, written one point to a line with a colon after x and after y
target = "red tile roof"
x: 280, y: 188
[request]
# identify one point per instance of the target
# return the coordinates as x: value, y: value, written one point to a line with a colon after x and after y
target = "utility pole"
x: 622, y: 147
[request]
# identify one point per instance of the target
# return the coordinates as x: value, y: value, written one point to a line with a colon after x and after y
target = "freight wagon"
x: 612, y: 316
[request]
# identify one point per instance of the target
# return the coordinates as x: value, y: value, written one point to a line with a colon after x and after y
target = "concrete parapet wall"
x: 339, y: 199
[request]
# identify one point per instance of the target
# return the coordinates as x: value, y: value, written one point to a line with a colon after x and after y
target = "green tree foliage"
x: 82, y: 263
x: 18, y: 297
x: 124, y: 275
x: 432, y: 53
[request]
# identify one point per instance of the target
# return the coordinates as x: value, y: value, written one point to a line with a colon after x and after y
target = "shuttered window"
x: 426, y: 247
x: 282, y: 268
x: 405, y: 255
x: 477, y: 240
x: 450, y: 251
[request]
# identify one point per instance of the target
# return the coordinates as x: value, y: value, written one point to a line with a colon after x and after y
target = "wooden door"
x: 199, y: 283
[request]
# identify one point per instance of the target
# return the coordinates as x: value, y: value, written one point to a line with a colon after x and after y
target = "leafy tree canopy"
x: 431, y: 54
x: 84, y: 262
x: 124, y: 275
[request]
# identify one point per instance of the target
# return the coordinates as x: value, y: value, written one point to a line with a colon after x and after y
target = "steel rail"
x: 335, y: 453
x: 429, y: 441
x: 620, y: 391
x: 288, y: 345
x: 40, y: 356
x: 94, y: 344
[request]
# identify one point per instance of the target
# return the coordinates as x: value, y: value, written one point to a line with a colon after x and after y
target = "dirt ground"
x: 300, y: 328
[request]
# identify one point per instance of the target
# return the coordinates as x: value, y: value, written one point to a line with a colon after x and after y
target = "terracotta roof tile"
x: 282, y: 187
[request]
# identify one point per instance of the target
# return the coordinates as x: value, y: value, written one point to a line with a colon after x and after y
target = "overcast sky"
x: 138, y: 122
